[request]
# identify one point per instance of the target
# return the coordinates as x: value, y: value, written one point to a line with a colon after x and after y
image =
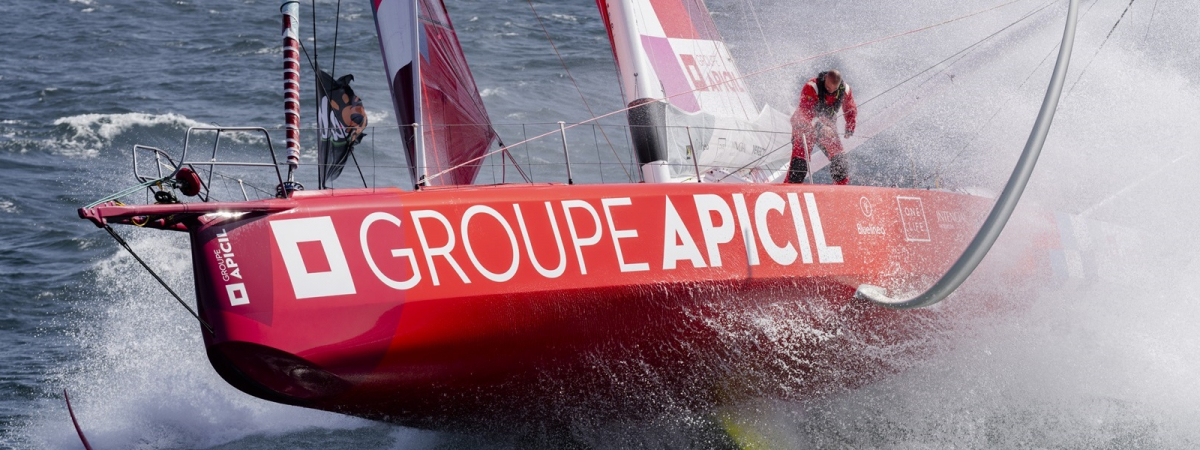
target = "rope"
x: 1151, y: 22
x: 731, y: 80
x: 1098, y: 49
x: 964, y: 50
x: 989, y: 121
x: 127, y: 191
x: 337, y: 22
x: 577, y: 89
x: 156, y: 277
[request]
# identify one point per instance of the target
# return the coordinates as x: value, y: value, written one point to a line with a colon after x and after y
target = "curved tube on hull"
x: 990, y: 231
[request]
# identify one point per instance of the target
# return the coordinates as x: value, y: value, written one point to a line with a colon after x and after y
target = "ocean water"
x: 1109, y: 365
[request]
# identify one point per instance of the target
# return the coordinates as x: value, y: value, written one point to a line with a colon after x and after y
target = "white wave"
x: 564, y: 18
x: 92, y: 132
x: 144, y: 380
x: 492, y: 92
x: 7, y: 206
x: 376, y: 118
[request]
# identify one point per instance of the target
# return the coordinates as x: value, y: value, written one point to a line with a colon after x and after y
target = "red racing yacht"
x: 456, y: 303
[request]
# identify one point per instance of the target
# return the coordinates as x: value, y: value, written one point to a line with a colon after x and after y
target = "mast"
x: 418, y: 132
x: 647, y: 116
x: 291, y: 87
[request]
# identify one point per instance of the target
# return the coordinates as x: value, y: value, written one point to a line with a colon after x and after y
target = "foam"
x: 91, y: 133
x: 144, y: 380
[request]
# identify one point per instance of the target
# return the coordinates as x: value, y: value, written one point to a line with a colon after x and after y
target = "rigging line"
x: 1147, y: 177
x: 314, y: 32
x: 337, y: 22
x: 577, y: 89
x: 156, y: 277
x: 754, y: 12
x: 1004, y: 105
x: 956, y: 54
x: 730, y: 80
x: 316, y: 63
x: 1151, y: 22
x: 726, y: 60
x: 979, y: 132
x: 760, y: 158
x: 964, y: 50
x: 1098, y: 49
x: 360, y: 172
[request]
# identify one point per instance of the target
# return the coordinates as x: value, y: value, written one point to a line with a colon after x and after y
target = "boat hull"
x: 455, y: 307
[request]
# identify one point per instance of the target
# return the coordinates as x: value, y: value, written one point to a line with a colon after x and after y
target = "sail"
x: 341, y: 120
x: 432, y: 86
x: 669, y: 52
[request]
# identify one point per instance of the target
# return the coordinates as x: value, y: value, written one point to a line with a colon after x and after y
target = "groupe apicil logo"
x: 585, y: 224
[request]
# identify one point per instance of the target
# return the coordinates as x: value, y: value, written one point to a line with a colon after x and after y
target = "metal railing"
x: 547, y: 152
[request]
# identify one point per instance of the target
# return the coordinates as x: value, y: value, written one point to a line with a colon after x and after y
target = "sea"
x: 1111, y: 362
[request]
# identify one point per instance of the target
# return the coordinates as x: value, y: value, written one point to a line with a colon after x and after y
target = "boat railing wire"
x: 240, y: 163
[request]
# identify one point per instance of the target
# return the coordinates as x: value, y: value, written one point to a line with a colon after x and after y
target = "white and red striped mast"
x: 291, y: 84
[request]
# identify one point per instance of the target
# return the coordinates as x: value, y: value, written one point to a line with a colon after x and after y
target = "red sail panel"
x: 455, y: 123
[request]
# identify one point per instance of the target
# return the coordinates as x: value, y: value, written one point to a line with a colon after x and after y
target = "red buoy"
x: 188, y: 182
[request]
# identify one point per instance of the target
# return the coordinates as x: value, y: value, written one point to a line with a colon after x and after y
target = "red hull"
x: 455, y: 306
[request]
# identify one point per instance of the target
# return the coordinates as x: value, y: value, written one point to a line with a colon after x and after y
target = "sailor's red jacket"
x: 812, y: 107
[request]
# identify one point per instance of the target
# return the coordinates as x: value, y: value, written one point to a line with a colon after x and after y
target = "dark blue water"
x: 81, y: 81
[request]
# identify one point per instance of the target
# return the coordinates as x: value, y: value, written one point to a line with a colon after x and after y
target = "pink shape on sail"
x: 674, y: 81
x: 685, y: 19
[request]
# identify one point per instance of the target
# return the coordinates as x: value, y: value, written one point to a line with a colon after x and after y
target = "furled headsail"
x: 432, y: 86
x: 670, y: 49
x: 341, y: 120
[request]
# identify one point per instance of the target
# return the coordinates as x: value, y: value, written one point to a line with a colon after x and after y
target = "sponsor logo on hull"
x: 912, y: 217
x: 500, y: 242
x: 229, y: 270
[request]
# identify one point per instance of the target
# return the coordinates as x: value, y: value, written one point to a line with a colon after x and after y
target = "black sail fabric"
x: 342, y: 120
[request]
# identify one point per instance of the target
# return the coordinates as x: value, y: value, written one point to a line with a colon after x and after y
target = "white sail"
x: 670, y: 51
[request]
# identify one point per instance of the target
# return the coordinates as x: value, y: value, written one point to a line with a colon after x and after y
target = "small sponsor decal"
x: 912, y: 216
x: 229, y: 270
x: 865, y: 206
x: 949, y: 220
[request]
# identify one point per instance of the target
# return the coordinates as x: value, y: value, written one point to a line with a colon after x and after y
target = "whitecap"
x: 94, y: 131
x: 376, y: 118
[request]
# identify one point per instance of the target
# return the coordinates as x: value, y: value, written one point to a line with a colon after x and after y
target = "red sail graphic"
x: 457, y: 126
x: 453, y: 122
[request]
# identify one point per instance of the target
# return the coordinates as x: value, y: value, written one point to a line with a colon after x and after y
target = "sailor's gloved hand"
x: 849, y: 133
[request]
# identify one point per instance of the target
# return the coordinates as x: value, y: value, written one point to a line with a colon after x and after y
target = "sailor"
x: 814, y: 124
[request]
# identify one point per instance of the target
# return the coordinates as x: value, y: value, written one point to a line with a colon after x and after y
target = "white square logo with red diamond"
x: 313, y: 257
